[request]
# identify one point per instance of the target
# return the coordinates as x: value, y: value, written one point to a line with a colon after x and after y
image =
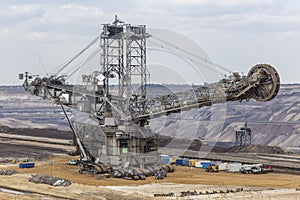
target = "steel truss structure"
x: 116, y: 97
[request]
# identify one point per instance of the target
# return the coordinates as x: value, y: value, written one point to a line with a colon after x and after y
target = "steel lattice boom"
x: 262, y: 84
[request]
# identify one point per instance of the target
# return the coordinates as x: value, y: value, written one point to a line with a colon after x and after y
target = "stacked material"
x: 134, y: 173
x: 7, y: 172
x: 50, y: 180
x: 130, y: 173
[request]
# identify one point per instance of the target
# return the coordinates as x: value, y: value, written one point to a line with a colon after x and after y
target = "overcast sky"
x: 235, y: 33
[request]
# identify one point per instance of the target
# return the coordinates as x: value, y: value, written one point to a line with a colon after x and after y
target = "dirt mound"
x: 257, y: 149
x: 190, y: 144
x: 37, y: 132
x: 172, y: 142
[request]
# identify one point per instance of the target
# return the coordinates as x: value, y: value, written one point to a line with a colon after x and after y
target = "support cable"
x: 80, y: 65
x: 60, y: 68
x: 178, y: 54
x: 191, y: 53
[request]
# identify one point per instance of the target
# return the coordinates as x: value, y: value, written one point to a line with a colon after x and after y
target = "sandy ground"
x: 42, y: 191
x: 182, y: 175
x: 86, y: 186
x: 206, y: 191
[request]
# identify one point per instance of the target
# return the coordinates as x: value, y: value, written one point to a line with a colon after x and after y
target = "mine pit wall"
x: 111, y: 146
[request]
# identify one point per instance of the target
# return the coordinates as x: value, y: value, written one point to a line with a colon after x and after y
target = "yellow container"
x: 192, y: 163
x: 173, y: 160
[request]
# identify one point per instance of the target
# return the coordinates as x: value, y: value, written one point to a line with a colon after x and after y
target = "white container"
x: 234, y: 167
x: 222, y: 166
x: 198, y: 164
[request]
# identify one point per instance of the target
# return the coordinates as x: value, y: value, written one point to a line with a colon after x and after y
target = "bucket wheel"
x: 268, y: 82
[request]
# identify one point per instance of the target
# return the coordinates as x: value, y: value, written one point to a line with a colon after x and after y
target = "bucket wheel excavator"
x: 120, y: 132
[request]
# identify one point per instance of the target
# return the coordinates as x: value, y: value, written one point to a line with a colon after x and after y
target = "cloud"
x: 213, y: 7
x: 21, y: 9
x: 52, y: 22
x: 217, y: 24
x: 84, y: 19
x: 70, y: 13
x: 16, y: 13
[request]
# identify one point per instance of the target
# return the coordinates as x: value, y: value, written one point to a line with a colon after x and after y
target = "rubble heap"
x: 50, y: 180
x: 7, y: 172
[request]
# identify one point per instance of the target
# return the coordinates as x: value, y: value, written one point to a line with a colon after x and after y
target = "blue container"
x: 26, y: 165
x: 178, y: 162
x: 185, y: 162
x: 205, y: 164
x: 165, y: 159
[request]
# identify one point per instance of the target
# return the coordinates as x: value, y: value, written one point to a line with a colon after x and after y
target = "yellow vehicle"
x: 212, y: 168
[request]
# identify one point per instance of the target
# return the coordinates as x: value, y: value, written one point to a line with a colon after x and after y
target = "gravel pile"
x: 50, y: 180
x: 7, y: 172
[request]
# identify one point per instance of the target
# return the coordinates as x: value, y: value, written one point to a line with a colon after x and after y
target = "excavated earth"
x: 183, y: 181
x: 34, y: 129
